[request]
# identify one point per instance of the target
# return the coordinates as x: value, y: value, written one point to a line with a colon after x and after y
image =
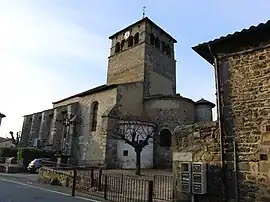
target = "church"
x: 141, y: 82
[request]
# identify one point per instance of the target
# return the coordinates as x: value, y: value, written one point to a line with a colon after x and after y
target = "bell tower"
x: 143, y: 52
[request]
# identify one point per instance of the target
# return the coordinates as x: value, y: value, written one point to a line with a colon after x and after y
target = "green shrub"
x: 26, y: 155
x: 8, y: 152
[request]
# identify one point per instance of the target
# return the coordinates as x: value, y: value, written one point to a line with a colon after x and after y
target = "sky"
x: 51, y: 49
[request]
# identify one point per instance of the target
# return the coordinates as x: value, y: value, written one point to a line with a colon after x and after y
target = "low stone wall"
x: 56, y: 177
x: 198, y: 143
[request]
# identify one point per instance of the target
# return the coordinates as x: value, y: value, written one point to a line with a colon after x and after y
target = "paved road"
x: 19, y: 191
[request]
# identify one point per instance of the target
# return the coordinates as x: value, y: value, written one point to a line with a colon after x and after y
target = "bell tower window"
x: 157, y: 43
x: 123, y: 44
x: 152, y: 39
x: 130, y: 41
x: 136, y: 38
x: 117, y: 47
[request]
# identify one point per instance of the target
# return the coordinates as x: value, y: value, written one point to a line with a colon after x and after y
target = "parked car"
x: 35, y: 165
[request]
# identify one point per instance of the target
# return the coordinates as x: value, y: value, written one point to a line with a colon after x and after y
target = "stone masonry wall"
x: 168, y: 112
x: 198, y: 143
x: 160, y: 72
x: 93, y: 143
x: 127, y: 66
x: 245, y: 90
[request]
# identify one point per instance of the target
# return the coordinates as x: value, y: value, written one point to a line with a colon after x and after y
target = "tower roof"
x: 138, y: 22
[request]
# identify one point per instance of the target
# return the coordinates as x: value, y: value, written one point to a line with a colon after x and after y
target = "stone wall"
x: 198, y: 143
x: 127, y: 66
x: 167, y: 112
x: 245, y: 84
x: 93, y: 143
x: 160, y: 72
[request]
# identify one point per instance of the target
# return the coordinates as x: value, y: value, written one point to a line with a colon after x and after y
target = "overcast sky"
x: 51, y: 49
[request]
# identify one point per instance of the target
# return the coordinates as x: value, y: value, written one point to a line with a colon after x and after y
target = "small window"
x: 263, y: 157
x: 125, y: 153
x: 130, y: 41
x: 117, y: 47
x: 136, y: 38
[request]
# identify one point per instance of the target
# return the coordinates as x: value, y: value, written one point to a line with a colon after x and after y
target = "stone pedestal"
x: 62, y: 160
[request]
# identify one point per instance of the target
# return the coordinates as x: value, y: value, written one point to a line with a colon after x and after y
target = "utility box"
x: 185, y: 174
x: 199, y: 178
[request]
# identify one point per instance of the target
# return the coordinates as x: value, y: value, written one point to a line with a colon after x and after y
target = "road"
x: 13, y: 189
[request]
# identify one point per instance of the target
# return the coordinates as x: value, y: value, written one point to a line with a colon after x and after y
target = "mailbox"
x: 185, y: 175
x: 199, y: 178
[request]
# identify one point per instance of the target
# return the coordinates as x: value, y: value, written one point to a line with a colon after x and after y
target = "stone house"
x: 236, y: 147
x: 141, y: 82
x: 6, y: 143
x: 1, y: 117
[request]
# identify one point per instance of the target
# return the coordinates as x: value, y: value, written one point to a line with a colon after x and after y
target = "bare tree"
x: 136, y: 133
x: 15, y: 139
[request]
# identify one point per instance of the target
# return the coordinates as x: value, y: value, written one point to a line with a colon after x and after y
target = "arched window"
x: 117, y: 47
x: 165, y: 138
x: 94, y: 113
x: 123, y: 44
x: 130, y: 41
x: 157, y: 42
x: 136, y: 38
x: 152, y: 39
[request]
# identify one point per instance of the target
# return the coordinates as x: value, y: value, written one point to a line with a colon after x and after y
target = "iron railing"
x: 117, y: 187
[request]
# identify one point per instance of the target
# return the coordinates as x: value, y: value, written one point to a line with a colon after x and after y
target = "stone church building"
x: 141, y: 81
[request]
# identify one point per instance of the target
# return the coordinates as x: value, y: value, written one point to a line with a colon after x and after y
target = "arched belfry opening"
x: 136, y: 38
x: 152, y: 39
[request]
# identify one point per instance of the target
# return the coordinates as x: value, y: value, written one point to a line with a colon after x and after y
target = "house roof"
x: 138, y: 22
x: 90, y: 91
x: 2, y: 115
x: 4, y: 139
x: 205, y: 102
x: 203, y: 48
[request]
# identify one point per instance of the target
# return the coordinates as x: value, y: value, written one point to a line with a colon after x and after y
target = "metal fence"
x: 119, y: 187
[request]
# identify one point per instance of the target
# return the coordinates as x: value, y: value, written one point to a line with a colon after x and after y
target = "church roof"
x: 205, y: 102
x: 88, y: 92
x: 138, y: 22
x: 2, y: 115
x: 254, y: 31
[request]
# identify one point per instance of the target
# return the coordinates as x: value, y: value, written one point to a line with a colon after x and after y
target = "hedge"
x: 26, y: 155
x: 8, y: 152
